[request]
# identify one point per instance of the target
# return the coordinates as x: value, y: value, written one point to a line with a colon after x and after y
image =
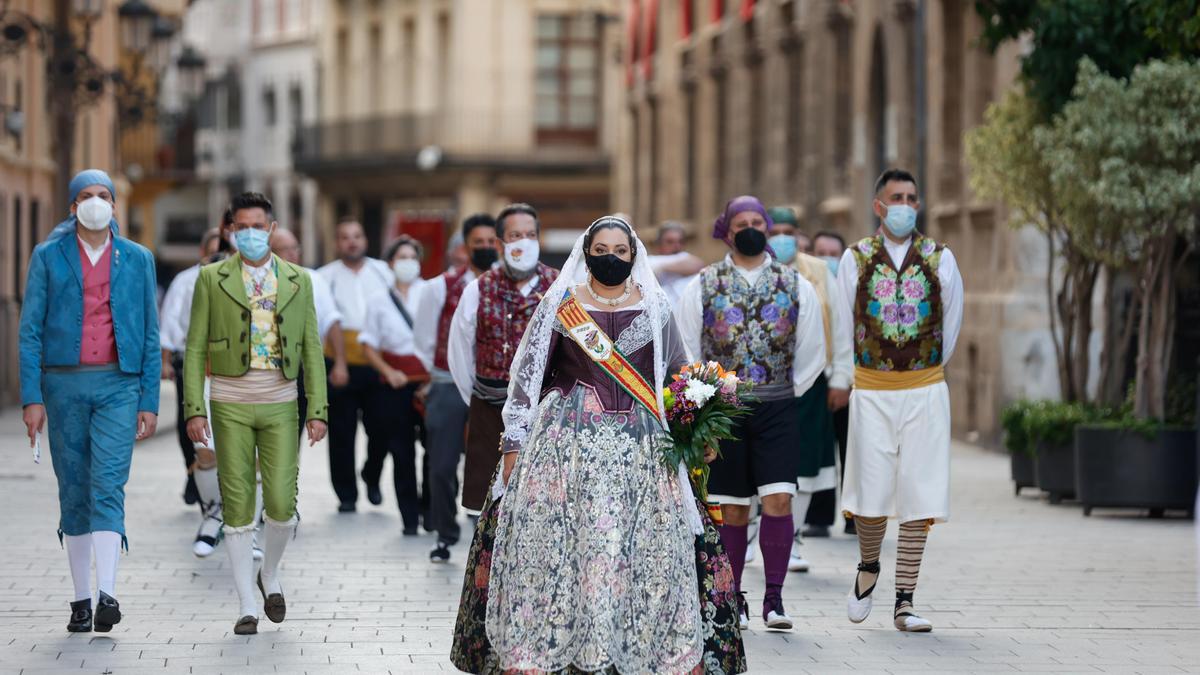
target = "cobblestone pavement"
x: 1011, y: 584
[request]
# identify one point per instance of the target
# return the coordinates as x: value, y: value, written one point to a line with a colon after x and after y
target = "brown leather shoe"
x: 247, y: 625
x: 273, y: 605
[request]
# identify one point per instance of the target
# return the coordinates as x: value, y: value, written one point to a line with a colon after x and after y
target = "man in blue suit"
x: 90, y: 361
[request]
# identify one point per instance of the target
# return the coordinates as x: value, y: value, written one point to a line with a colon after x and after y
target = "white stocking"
x: 241, y: 562
x: 79, y: 554
x: 277, y: 535
x: 108, y: 554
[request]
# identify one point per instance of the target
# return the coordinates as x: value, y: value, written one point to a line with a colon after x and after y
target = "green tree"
x: 1116, y: 35
x: 1128, y: 151
x: 1006, y: 164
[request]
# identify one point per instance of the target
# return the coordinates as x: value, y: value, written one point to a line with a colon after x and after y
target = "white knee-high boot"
x: 240, y: 545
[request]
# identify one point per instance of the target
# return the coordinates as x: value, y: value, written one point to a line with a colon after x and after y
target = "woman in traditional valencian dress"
x: 592, y: 555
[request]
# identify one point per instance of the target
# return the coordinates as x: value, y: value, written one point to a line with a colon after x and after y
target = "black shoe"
x: 247, y: 625
x: 815, y: 531
x: 108, y: 612
x: 191, y: 496
x: 274, y: 605
x: 411, y: 532
x: 850, y: 529
x: 440, y: 553
x: 374, y: 495
x: 81, y: 616
x: 347, y: 507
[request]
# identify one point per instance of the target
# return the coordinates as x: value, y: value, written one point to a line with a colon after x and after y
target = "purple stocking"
x: 734, y: 539
x: 775, y: 539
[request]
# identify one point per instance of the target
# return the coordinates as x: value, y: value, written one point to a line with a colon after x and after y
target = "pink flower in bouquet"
x: 729, y: 384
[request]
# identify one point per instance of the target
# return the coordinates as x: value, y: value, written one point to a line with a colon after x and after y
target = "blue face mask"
x: 832, y: 262
x: 784, y: 246
x: 253, y: 244
x: 900, y: 220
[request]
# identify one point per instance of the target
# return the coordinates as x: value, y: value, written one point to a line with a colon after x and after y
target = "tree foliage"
x: 1129, y: 149
x: 1116, y: 35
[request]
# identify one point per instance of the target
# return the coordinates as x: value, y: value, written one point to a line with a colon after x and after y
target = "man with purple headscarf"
x: 761, y: 318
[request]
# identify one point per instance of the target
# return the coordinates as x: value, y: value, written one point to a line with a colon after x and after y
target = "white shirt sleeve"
x: 373, y: 327
x: 689, y: 318
x: 460, y: 352
x: 429, y: 308
x: 168, y: 335
x: 952, y: 303
x: 808, y: 360
x: 848, y: 285
x: 323, y: 305
x: 842, y: 371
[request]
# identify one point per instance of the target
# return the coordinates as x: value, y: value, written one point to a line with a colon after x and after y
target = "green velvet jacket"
x: 219, y: 334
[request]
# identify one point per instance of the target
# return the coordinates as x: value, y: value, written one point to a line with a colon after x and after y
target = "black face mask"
x: 608, y: 269
x: 484, y: 258
x: 750, y: 242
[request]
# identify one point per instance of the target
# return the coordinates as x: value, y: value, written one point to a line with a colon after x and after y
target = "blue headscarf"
x: 84, y: 179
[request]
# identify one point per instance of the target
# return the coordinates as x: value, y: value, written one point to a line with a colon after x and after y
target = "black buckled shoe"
x: 247, y: 625
x: 274, y: 605
x: 81, y: 616
x: 108, y: 612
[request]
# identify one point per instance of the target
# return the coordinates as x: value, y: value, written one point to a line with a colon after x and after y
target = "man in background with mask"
x: 831, y: 391
x: 253, y: 325
x: 904, y: 296
x: 353, y: 279
x: 487, y: 327
x: 200, y: 462
x: 446, y: 413
x: 822, y: 511
x: 759, y: 317
x: 89, y: 359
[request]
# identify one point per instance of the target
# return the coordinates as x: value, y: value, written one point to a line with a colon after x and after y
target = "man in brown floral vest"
x: 905, y: 299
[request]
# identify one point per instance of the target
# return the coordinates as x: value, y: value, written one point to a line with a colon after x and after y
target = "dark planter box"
x: 1121, y: 468
x: 1023, y: 474
x: 1054, y: 466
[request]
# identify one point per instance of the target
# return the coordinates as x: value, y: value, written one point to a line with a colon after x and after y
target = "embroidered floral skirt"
x: 715, y: 602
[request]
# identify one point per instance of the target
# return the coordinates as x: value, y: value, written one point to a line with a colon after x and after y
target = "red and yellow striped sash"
x: 582, y: 328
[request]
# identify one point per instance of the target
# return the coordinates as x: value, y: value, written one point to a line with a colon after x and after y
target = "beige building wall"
x: 458, y: 75
x: 27, y: 168
x: 804, y: 104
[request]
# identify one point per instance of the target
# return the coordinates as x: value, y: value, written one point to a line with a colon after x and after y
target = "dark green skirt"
x: 818, y: 441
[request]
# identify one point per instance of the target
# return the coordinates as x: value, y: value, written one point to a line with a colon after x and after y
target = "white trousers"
x: 898, y: 454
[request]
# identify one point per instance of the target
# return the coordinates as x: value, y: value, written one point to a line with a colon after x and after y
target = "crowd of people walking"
x: 584, y: 552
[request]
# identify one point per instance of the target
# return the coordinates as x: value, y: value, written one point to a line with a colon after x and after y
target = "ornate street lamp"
x: 190, y: 65
x: 137, y: 24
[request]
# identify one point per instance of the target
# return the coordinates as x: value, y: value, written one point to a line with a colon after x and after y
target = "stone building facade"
x: 433, y: 109
x: 805, y: 103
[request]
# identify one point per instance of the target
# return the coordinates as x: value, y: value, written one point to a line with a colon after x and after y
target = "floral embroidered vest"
x: 456, y: 280
x: 265, y: 353
x: 503, y: 315
x: 750, y: 329
x: 898, y: 313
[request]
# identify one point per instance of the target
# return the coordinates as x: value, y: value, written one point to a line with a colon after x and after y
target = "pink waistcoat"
x: 99, y: 346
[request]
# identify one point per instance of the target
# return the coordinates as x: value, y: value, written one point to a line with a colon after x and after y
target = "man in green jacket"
x: 253, y: 326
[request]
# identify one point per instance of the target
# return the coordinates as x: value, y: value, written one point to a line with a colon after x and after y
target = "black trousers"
x: 346, y: 404
x: 396, y: 408
x: 185, y: 443
x: 822, y: 510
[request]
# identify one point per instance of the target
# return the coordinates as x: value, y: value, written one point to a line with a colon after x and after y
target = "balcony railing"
x: 368, y: 138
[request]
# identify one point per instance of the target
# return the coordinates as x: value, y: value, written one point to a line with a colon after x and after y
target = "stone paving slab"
x: 1012, y: 585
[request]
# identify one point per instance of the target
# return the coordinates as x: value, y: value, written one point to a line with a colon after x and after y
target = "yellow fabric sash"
x: 355, y: 356
x: 897, y: 380
x: 582, y: 329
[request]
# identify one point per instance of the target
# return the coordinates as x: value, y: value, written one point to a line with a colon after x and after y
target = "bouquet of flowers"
x: 701, y: 404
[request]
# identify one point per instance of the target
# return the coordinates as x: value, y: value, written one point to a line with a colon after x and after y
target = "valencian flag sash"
x: 600, y: 348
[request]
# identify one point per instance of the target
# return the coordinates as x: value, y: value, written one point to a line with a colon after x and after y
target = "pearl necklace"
x: 614, y: 301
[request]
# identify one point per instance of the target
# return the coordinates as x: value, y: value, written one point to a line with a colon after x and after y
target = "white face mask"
x: 406, y: 271
x: 94, y: 213
x: 522, y: 255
